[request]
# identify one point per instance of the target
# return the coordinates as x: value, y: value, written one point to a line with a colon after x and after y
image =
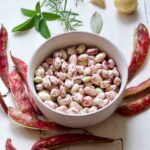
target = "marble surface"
x: 119, y: 29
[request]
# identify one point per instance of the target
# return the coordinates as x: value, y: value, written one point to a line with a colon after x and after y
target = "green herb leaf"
x: 43, y: 29
x: 28, y: 12
x: 25, y: 25
x: 96, y: 23
x: 38, y: 7
x: 37, y: 22
x: 50, y: 16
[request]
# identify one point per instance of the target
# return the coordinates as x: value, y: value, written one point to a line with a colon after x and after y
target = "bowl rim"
x: 121, y: 90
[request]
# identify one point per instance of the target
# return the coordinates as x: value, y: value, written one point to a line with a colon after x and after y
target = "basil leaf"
x: 50, y: 16
x: 38, y: 7
x: 37, y: 22
x: 43, y: 29
x: 25, y: 25
x: 96, y: 23
x: 28, y: 12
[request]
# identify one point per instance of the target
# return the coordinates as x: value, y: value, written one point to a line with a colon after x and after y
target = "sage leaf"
x: 25, y: 25
x: 28, y: 12
x: 37, y: 22
x: 50, y: 16
x: 96, y: 23
x: 38, y: 7
x: 43, y: 29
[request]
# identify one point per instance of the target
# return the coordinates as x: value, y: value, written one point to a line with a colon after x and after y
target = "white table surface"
x: 119, y: 29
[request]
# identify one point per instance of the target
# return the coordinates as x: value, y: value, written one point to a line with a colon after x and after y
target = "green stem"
x: 65, y: 5
x: 43, y: 3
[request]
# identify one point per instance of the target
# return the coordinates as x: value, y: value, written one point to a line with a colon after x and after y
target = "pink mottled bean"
x: 80, y: 69
x: 51, y: 104
x: 49, y: 72
x: 77, y: 97
x: 83, y: 57
x: 73, y: 59
x: 84, y: 111
x: 73, y: 110
x: 72, y: 71
x: 100, y: 57
x: 64, y: 67
x: 87, y: 71
x: 75, y: 88
x: 81, y: 48
x: 64, y: 54
x: 91, y: 91
x: 104, y: 84
x: 93, y: 109
x: 100, y: 96
x: 55, y: 92
x: 92, y: 51
x: 96, y: 79
x: 57, y: 54
x: 71, y: 50
x: 64, y: 101
x: 110, y: 95
x: 45, y: 66
x: 62, y: 109
x: 69, y: 83
x: 87, y: 101
x: 105, y: 65
x: 111, y: 63
x: 57, y: 62
x: 62, y: 91
x: 54, y: 80
x: 117, y: 81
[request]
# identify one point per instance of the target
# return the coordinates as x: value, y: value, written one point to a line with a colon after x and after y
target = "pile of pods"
x: 26, y: 114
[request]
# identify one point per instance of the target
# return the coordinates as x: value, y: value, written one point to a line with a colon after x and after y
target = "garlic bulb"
x: 126, y: 6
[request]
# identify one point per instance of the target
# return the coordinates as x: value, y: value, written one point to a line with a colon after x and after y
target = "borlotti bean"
x: 77, y: 80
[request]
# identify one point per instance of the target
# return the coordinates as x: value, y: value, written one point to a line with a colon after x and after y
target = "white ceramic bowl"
x: 75, y: 38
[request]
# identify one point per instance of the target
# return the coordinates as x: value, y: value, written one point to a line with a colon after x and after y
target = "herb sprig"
x: 68, y: 17
x: 37, y: 19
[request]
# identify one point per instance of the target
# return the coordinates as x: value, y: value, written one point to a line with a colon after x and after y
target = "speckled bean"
x: 73, y: 59
x: 81, y: 48
x: 75, y: 88
x: 62, y: 109
x: 55, y: 92
x: 87, y: 101
x: 73, y: 110
x: 64, y: 67
x: 71, y: 50
x: 91, y: 91
x: 83, y: 57
x: 46, y: 82
x: 57, y: 62
x: 92, y: 51
x: 39, y: 87
x: 87, y: 71
x: 40, y: 72
x: 100, y: 57
x: 75, y: 104
x: 51, y: 104
x: 117, y: 81
x: 62, y: 91
x: 104, y: 84
x: 96, y: 79
x: 38, y: 79
x: 44, y: 95
x: 77, y: 97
